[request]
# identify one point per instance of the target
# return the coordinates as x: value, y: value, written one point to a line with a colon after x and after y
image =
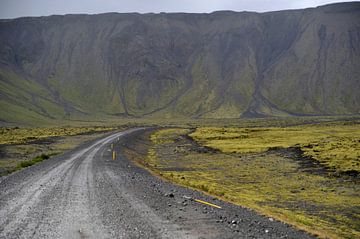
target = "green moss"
x: 264, y: 180
x: 33, y: 161
x: 167, y: 135
x: 24, y: 135
x: 22, y: 147
x: 334, y: 145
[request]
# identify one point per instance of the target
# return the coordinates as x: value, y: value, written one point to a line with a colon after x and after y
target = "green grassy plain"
x: 248, y: 169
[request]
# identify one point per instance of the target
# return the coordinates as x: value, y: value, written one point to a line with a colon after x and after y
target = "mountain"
x: 219, y: 65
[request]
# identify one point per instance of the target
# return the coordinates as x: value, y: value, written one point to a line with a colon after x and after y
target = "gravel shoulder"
x: 86, y: 194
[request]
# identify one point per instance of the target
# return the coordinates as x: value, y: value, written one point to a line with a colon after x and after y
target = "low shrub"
x: 33, y: 161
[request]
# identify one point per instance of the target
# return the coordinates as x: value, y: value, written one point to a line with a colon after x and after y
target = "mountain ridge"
x: 214, y: 65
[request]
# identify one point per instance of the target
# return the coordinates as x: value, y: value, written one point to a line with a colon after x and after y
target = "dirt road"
x: 86, y: 194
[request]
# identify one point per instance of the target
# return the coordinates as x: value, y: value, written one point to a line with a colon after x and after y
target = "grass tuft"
x: 31, y: 162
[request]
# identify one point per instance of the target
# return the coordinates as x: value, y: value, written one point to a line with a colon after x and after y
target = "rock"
x: 234, y: 222
x: 170, y: 195
x: 266, y: 231
x: 271, y: 219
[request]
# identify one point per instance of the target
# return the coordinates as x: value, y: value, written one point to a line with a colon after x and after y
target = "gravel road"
x: 86, y: 194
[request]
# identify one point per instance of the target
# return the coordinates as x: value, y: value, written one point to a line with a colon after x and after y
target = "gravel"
x: 86, y: 194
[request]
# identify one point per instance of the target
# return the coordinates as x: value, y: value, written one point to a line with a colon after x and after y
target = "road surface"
x: 86, y: 194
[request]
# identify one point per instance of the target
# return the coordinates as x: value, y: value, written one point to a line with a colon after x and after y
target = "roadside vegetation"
x: 306, y: 175
x: 23, y: 147
x: 16, y: 135
x: 334, y: 145
x: 31, y: 162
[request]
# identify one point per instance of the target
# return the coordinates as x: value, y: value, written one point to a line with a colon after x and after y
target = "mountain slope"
x: 223, y: 64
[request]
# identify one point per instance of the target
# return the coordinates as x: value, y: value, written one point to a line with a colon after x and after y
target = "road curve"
x: 86, y: 194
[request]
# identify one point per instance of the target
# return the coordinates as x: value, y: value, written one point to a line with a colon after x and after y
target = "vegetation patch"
x: 33, y: 161
x: 335, y: 145
x: 23, y: 147
x: 18, y: 135
x: 249, y: 170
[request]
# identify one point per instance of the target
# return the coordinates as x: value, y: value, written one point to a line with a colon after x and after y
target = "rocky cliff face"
x: 223, y: 64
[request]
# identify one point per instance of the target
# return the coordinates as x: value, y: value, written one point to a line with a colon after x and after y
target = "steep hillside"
x: 223, y: 64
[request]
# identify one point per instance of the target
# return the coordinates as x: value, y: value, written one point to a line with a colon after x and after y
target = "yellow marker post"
x: 207, y: 203
x: 113, y: 155
x: 112, y: 146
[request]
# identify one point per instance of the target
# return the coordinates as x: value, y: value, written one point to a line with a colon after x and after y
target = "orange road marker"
x: 207, y: 203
